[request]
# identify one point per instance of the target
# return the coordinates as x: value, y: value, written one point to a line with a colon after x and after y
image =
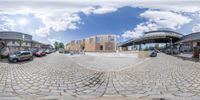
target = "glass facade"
x: 99, y: 39
x: 78, y: 42
x: 111, y: 39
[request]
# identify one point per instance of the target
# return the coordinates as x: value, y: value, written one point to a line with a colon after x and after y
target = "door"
x: 21, y: 56
x: 101, y: 47
x: 24, y: 56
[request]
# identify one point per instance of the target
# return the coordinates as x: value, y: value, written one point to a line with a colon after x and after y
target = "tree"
x: 146, y: 48
x: 56, y: 45
x: 157, y: 46
x: 61, y: 45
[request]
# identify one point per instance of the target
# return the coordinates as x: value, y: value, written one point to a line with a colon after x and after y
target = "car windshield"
x: 17, y: 53
x: 99, y: 49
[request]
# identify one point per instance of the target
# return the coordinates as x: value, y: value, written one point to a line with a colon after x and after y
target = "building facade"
x: 99, y: 43
x: 46, y: 46
x: 75, y: 45
x: 190, y: 44
x: 174, y: 41
x: 15, y: 41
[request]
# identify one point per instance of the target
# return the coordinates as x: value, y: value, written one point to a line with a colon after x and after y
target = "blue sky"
x: 62, y: 20
x: 111, y: 23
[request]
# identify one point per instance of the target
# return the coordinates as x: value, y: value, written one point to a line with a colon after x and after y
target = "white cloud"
x: 103, y: 10
x: 139, y: 30
x: 42, y: 32
x: 196, y: 28
x: 52, y: 41
x: 191, y: 6
x: 157, y: 20
x: 57, y: 23
x: 131, y: 34
x: 55, y: 15
x: 6, y: 24
x: 166, y: 19
x: 118, y: 36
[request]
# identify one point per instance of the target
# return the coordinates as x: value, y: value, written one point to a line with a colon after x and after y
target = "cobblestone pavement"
x: 58, y: 75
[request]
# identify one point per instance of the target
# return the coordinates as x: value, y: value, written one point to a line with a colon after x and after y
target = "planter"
x: 3, y: 57
x: 143, y: 54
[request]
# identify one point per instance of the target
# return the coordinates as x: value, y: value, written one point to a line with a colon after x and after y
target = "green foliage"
x: 58, y: 45
x: 3, y: 57
x: 146, y: 48
x: 61, y: 45
x: 157, y: 46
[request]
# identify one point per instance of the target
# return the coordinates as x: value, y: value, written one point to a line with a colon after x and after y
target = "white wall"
x: 26, y: 45
x: 11, y: 44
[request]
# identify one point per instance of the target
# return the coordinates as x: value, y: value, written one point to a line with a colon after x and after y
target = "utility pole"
x: 171, y: 45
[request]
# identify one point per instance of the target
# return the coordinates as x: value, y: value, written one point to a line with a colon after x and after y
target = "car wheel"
x: 15, y: 60
x: 31, y: 58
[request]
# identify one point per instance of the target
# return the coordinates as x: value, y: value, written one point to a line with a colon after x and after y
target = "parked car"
x: 20, y: 56
x: 54, y: 50
x: 153, y: 53
x: 67, y: 52
x: 51, y: 50
x: 172, y: 51
x: 47, y: 51
x: 34, y: 51
x: 61, y: 50
x: 40, y: 53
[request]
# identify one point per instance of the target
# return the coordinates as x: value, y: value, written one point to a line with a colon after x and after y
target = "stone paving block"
x: 169, y: 77
x: 6, y: 94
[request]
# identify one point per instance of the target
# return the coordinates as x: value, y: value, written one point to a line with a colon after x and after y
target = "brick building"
x: 99, y: 43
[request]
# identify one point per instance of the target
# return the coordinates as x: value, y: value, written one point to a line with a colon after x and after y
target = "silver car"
x: 20, y: 56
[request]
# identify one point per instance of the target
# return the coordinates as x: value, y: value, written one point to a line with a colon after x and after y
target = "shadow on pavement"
x: 20, y: 62
x: 98, y: 98
x: 5, y: 60
x: 188, y: 59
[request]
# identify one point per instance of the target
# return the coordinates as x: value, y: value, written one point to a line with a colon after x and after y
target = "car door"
x: 21, y: 57
x: 26, y: 55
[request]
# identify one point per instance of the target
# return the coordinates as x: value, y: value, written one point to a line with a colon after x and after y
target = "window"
x: 78, y: 42
x: 99, y: 39
x: 111, y: 39
x: 13, y: 42
x: 73, y: 42
x: 26, y: 53
x: 101, y: 47
x: 198, y: 43
x: 17, y: 53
